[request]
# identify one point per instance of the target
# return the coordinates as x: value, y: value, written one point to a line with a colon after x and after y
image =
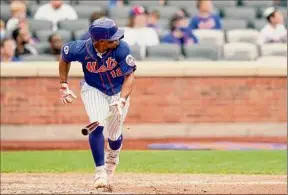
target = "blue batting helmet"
x: 105, y: 29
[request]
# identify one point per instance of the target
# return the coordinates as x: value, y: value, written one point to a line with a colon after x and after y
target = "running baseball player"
x: 108, y: 68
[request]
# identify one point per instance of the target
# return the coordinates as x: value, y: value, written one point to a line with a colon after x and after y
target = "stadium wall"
x: 165, y: 92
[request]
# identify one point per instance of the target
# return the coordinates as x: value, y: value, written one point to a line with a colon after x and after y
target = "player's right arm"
x: 64, y: 68
x: 67, y: 56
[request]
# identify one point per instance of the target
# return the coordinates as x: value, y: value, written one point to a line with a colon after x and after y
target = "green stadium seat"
x: 259, y: 24
x: 182, y: 4
x: 85, y: 11
x: 38, y: 58
x: 242, y: 35
x: 210, y: 37
x: 102, y: 3
x: 245, y: 13
x: 165, y: 11
x: 79, y: 33
x: 43, y: 35
x: 163, y: 51
x: 274, y: 49
x: 74, y: 25
x: 198, y: 52
x: 258, y: 3
x: 230, y: 24
x: 144, y: 3
x: 136, y: 52
x: 42, y: 47
x: 5, y: 12
x: 115, y: 12
x: 35, y: 25
x: 240, y: 52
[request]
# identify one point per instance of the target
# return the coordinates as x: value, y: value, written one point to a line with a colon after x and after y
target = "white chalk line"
x: 216, y: 183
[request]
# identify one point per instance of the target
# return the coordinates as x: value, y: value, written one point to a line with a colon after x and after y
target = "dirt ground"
x: 143, y: 184
x: 136, y: 183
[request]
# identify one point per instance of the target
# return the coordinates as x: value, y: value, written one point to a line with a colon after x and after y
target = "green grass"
x: 215, y: 162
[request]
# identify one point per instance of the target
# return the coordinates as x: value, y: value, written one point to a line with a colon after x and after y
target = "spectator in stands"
x: 274, y: 31
x: 8, y: 51
x: 18, y: 20
x: 179, y: 32
x: 56, y: 44
x: 153, y: 18
x: 94, y: 16
x: 55, y: 11
x: 137, y: 31
x: 183, y: 12
x: 2, y: 30
x: 116, y: 3
x: 22, y: 37
x: 28, y: 11
x: 205, y: 19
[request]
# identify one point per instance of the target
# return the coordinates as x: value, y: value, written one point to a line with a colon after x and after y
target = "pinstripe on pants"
x: 97, y: 107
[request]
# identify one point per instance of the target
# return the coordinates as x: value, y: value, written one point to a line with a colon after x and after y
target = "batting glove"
x: 67, y: 95
x: 119, y: 104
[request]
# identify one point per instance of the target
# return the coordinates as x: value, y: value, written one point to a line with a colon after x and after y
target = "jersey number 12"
x: 116, y: 73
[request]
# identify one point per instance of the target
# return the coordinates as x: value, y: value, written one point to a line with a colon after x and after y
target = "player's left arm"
x: 127, y: 64
x: 127, y: 86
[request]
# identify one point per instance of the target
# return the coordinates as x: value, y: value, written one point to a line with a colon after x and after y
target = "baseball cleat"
x: 100, y: 179
x: 111, y: 161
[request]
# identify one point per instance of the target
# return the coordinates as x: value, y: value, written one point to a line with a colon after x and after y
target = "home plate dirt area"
x: 130, y: 183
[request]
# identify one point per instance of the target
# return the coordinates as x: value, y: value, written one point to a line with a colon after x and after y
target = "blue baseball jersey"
x: 211, y: 22
x: 106, y: 72
x: 188, y: 37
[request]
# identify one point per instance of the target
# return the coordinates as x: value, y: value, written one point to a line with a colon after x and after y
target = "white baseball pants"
x: 97, y: 107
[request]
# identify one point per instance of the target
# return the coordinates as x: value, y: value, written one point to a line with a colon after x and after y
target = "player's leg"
x: 115, y: 137
x: 97, y: 108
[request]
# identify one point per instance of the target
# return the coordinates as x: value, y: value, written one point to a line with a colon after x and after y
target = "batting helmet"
x: 105, y: 29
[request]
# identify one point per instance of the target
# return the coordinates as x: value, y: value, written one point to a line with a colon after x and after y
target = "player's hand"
x: 67, y: 95
x: 119, y: 104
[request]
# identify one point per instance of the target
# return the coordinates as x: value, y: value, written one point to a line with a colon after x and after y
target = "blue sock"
x: 96, y: 141
x: 115, y: 145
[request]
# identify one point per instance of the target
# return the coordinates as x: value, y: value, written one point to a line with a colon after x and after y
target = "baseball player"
x: 108, y: 68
